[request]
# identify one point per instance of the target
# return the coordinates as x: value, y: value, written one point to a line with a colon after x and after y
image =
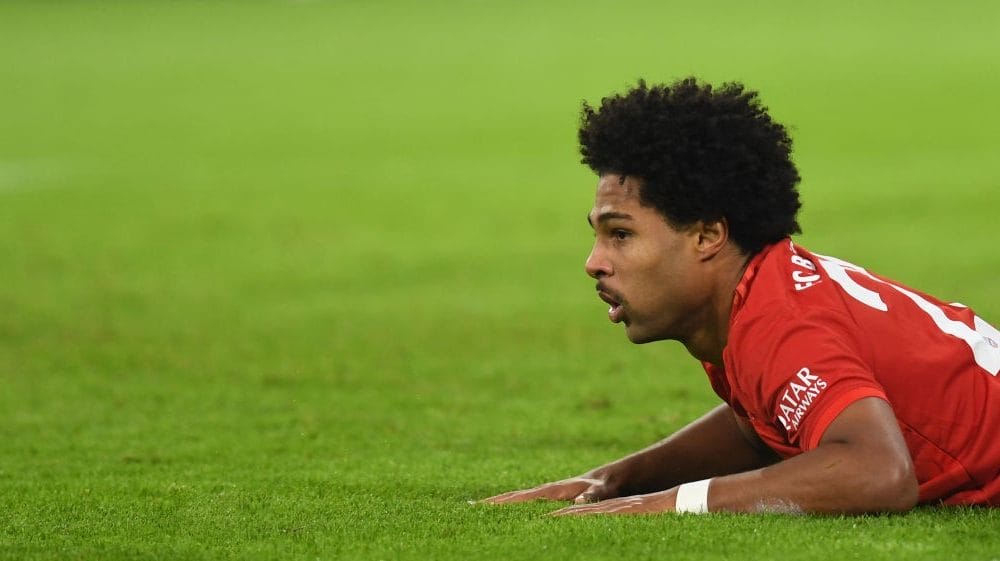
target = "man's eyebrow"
x: 609, y: 215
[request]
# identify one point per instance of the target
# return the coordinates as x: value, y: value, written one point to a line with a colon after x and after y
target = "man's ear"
x: 712, y: 237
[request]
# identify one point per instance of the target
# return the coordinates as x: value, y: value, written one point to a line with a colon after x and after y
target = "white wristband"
x: 693, y: 497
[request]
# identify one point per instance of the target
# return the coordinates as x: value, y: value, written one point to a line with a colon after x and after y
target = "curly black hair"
x: 700, y: 153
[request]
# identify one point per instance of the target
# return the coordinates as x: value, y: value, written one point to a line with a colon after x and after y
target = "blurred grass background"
x: 295, y: 279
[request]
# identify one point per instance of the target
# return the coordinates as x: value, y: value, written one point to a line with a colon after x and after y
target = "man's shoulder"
x: 789, y: 308
x: 786, y: 287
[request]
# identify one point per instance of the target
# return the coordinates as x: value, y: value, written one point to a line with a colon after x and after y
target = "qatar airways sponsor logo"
x: 800, y: 393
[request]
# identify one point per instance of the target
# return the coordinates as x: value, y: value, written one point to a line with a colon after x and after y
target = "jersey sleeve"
x: 800, y: 370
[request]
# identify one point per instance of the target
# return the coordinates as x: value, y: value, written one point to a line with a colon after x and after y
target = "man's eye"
x: 621, y: 234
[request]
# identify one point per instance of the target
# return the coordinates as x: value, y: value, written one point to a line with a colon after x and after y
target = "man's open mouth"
x: 615, y: 312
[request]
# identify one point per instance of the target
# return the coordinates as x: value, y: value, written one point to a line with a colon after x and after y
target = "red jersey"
x: 810, y: 334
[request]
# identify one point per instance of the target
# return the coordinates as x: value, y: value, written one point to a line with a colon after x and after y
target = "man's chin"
x: 637, y: 336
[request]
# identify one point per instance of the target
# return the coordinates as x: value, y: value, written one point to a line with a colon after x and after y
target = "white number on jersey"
x: 984, y: 340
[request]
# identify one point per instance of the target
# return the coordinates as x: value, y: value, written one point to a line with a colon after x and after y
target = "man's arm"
x: 718, y: 443
x: 861, y: 465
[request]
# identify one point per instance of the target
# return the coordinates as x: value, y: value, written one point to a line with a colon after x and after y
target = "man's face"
x: 647, y: 271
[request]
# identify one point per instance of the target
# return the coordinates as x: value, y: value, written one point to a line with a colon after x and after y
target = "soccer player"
x: 844, y: 391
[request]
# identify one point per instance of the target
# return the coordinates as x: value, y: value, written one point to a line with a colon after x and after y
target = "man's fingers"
x: 593, y: 494
x: 522, y: 496
x: 566, y: 490
x: 510, y: 497
x: 615, y: 506
x: 581, y: 509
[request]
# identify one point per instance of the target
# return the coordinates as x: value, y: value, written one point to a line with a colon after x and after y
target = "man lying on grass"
x: 844, y: 391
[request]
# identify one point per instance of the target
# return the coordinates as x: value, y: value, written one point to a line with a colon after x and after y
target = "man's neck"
x: 708, y: 342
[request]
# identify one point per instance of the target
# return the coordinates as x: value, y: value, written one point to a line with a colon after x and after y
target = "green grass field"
x: 296, y: 280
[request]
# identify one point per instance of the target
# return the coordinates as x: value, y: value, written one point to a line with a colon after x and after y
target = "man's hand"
x: 584, y: 489
x: 661, y: 501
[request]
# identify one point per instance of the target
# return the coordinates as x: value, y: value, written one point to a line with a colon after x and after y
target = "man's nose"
x: 597, y: 266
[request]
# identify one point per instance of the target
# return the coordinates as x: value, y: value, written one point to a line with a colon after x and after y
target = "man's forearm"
x: 861, y: 465
x: 713, y: 445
